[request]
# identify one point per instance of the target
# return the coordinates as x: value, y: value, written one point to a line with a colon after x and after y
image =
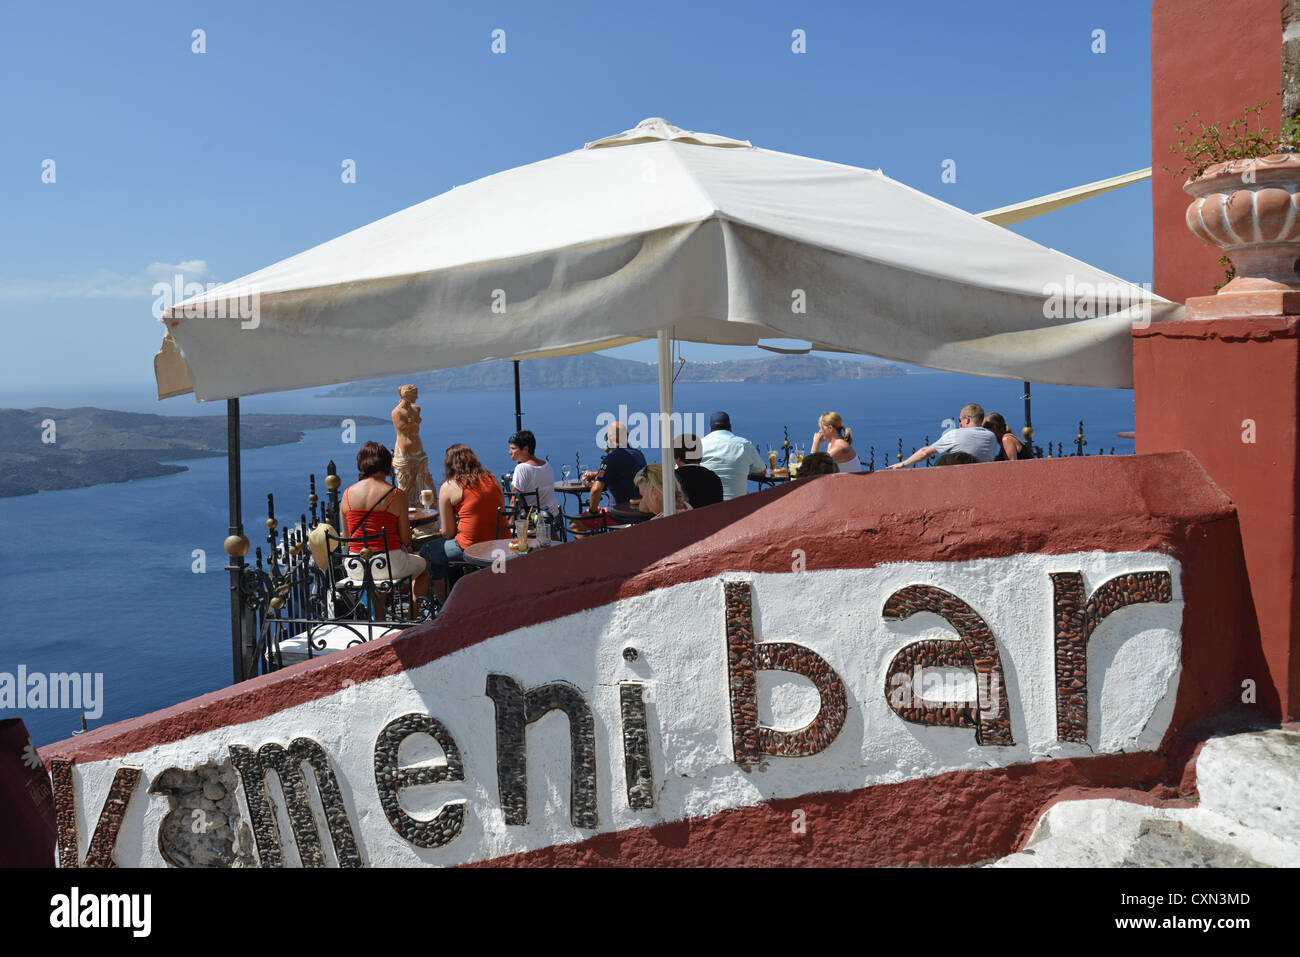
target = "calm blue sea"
x: 102, y: 579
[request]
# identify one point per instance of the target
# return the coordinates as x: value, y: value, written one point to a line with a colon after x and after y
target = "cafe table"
x: 579, y: 490
x: 762, y: 478
x: 483, y: 554
x: 422, y: 516
x: 628, y: 514
x: 424, y: 526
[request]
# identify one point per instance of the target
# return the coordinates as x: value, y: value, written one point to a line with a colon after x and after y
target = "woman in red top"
x: 376, y: 509
x: 467, y: 509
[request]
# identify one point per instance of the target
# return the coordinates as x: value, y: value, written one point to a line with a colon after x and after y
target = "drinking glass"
x: 582, y: 470
x: 426, y: 498
x: 521, y: 532
x: 564, y: 471
x: 771, y: 459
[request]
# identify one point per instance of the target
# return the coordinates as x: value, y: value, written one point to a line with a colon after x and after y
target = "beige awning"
x: 661, y: 229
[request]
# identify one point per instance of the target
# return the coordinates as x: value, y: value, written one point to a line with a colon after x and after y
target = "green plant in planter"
x: 1229, y: 272
x: 1203, y: 145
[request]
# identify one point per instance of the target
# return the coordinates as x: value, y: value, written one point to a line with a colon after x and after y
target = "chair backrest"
x: 358, y: 566
x: 523, y: 504
x: 505, y: 522
x: 587, y: 523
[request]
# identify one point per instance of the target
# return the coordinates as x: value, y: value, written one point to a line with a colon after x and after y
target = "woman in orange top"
x: 467, y: 509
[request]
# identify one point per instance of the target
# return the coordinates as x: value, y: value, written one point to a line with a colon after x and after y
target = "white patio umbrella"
x: 660, y: 233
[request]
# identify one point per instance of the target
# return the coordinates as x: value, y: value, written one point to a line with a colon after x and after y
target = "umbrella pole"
x: 665, y: 418
x: 1028, y: 430
x: 239, y: 652
x: 519, y: 415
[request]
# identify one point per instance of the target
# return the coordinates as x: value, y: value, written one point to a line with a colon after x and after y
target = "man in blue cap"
x: 730, y: 457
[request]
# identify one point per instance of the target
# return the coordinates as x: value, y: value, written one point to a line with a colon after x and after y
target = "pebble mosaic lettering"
x: 222, y: 837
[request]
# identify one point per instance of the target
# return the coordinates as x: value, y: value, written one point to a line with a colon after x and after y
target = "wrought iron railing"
x: 292, y: 609
x: 1080, y: 442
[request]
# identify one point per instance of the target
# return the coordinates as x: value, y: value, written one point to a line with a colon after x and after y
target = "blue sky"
x: 232, y: 158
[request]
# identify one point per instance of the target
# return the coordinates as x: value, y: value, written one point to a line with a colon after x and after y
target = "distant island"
x: 593, y: 370
x: 100, y: 446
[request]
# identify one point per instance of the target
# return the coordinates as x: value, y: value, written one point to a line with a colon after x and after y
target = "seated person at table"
x: 837, y: 441
x: 730, y: 457
x: 1012, y: 448
x: 701, y: 486
x: 374, y: 508
x: 969, y: 437
x: 533, y: 476
x: 617, y: 468
x: 467, y: 510
x: 650, y: 482
x: 818, y: 463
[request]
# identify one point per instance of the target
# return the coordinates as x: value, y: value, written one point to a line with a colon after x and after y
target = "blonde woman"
x: 650, y: 482
x: 837, y: 441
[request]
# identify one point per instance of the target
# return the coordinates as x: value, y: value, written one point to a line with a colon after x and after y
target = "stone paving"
x: 1248, y: 816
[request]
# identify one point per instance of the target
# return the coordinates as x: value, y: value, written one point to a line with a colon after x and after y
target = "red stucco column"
x: 1218, y: 59
x: 1228, y: 391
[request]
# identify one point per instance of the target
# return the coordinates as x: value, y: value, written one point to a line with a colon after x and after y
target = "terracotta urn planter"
x: 1249, y: 209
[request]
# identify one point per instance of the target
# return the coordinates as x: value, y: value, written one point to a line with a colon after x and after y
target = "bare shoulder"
x: 840, y: 450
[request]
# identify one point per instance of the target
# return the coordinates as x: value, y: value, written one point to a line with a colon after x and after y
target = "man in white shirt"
x: 532, y: 475
x: 970, y: 437
x: 730, y: 457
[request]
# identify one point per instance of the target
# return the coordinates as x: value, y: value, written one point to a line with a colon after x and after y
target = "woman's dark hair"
x: 462, y: 465
x: 994, y: 422
x: 372, y: 458
x: 957, y: 458
x: 523, y: 439
x: 817, y: 463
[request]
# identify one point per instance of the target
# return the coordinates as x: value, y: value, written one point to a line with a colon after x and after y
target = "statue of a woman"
x: 410, y: 464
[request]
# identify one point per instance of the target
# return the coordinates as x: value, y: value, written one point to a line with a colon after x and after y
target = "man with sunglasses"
x: 970, y: 437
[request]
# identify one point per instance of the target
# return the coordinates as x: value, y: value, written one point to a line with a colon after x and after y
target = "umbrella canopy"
x: 657, y: 228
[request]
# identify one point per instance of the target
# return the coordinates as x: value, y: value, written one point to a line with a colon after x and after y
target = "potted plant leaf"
x: 1243, y: 180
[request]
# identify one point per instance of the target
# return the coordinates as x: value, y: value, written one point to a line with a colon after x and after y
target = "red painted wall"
x: 1219, y: 58
x: 1208, y: 387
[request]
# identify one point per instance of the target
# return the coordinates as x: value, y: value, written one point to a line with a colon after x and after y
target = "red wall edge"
x: 1218, y: 58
